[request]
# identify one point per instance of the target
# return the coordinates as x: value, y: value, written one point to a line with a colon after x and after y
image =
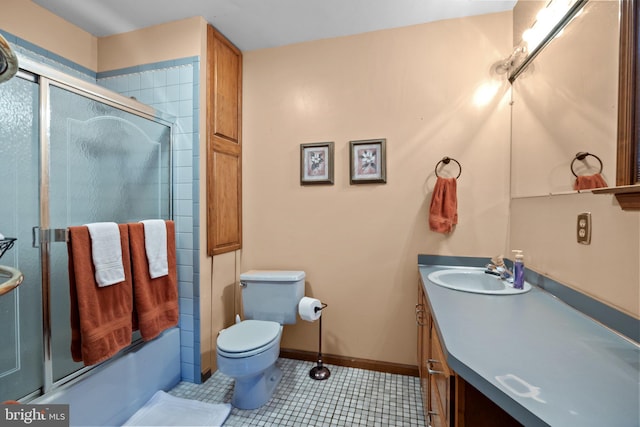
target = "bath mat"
x: 166, y: 410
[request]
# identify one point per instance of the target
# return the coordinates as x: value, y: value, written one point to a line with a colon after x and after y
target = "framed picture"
x: 316, y: 163
x: 368, y: 161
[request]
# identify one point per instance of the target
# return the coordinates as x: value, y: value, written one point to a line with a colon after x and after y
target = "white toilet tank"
x: 272, y: 295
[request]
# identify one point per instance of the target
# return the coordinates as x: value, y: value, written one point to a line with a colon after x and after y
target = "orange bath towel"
x: 443, y: 212
x: 100, y: 316
x: 588, y: 182
x: 156, y: 300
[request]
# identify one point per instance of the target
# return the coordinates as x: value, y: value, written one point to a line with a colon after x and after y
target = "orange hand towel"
x: 443, y: 212
x: 588, y: 182
x: 100, y: 316
x: 156, y: 300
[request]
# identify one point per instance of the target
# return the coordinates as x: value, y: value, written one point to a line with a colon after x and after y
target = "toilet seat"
x: 248, y: 338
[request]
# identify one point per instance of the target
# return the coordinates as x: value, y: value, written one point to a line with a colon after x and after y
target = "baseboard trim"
x: 204, y: 376
x: 351, y: 362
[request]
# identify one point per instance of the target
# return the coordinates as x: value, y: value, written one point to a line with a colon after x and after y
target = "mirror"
x: 629, y: 97
x: 565, y: 102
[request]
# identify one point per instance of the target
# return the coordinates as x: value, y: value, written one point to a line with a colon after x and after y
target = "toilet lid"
x: 248, y: 335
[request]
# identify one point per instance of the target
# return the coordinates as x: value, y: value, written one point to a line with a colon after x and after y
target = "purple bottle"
x: 518, y: 270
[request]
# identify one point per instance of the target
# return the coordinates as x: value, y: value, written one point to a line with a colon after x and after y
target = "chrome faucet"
x: 497, y: 267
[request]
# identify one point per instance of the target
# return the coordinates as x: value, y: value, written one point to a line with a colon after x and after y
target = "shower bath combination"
x: 72, y: 153
x: 8, y: 61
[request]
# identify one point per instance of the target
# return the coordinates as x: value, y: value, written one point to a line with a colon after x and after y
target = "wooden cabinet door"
x: 224, y: 144
x: 436, y: 415
x: 423, y: 320
x: 441, y: 376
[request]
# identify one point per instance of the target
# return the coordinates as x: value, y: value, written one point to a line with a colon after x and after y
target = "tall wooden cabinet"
x: 448, y: 400
x: 224, y: 144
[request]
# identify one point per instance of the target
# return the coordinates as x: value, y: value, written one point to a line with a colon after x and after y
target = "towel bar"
x: 581, y: 156
x: 446, y: 161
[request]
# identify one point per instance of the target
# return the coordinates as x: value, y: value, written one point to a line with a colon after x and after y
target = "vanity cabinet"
x: 424, y: 329
x: 448, y: 400
x: 440, y: 380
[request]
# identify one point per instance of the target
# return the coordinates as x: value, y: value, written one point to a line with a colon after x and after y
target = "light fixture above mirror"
x: 549, y: 23
x: 546, y: 19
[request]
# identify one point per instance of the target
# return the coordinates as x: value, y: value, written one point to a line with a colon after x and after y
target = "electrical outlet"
x: 584, y: 228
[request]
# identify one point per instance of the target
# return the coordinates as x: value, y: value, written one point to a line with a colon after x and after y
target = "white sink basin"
x: 473, y: 279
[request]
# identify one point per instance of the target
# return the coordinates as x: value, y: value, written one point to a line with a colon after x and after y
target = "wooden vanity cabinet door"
x: 423, y: 320
x: 441, y: 379
x: 475, y: 409
x: 435, y: 416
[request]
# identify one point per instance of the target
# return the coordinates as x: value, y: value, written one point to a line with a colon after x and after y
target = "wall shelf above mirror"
x: 567, y: 98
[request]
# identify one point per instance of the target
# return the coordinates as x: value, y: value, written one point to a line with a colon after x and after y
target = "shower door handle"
x: 35, y: 243
x: 48, y: 235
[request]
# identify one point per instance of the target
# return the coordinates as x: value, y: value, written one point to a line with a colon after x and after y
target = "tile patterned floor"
x: 350, y: 397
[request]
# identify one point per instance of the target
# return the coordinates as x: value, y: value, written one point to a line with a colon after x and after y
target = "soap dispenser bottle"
x: 518, y: 269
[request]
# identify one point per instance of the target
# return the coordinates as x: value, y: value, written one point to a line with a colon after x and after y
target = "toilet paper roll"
x: 309, y: 309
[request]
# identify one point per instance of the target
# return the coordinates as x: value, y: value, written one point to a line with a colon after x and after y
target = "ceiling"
x: 257, y: 24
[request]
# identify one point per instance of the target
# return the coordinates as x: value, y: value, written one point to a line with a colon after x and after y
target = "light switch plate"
x: 584, y: 228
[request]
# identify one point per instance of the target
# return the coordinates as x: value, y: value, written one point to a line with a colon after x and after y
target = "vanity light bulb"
x: 544, y: 16
x: 527, y: 36
x: 532, y: 38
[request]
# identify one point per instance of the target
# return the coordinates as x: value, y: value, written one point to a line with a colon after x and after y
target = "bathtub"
x: 113, y: 392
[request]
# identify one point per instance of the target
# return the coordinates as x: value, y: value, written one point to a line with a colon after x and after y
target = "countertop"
x: 539, y: 359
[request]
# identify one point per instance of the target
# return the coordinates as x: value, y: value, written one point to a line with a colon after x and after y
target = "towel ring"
x: 581, y: 156
x: 446, y: 161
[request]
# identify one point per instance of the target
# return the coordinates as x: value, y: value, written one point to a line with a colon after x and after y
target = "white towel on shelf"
x: 155, y: 244
x: 166, y: 410
x: 106, y: 251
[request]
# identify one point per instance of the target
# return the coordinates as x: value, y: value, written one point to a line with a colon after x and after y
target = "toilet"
x: 248, y: 350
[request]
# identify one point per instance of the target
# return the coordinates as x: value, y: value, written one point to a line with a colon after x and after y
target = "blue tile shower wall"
x: 172, y: 87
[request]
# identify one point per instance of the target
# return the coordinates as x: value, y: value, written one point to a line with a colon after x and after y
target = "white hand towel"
x: 155, y: 245
x: 106, y: 251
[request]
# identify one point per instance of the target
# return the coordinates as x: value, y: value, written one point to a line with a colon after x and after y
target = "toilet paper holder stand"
x: 320, y: 372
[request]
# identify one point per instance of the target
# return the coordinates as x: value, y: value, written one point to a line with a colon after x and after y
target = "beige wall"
x: 358, y: 244
x: 219, y: 299
x: 177, y: 39
x: 33, y: 23
x: 545, y: 228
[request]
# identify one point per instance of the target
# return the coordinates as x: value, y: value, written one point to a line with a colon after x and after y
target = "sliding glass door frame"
x: 43, y: 236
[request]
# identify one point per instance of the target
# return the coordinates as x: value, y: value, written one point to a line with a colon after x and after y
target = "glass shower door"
x: 106, y: 165
x: 21, y: 356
